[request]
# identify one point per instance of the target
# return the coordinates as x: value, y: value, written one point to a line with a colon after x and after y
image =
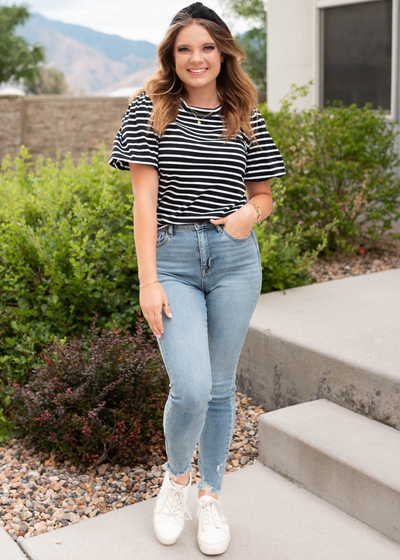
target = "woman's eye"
x: 185, y: 48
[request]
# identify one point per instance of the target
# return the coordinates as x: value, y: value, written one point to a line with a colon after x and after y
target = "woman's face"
x: 195, y: 49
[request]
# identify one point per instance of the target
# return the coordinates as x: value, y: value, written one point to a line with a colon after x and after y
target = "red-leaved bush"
x: 94, y: 398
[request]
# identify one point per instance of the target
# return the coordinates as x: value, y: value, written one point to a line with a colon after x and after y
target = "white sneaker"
x: 170, y: 510
x: 213, y: 533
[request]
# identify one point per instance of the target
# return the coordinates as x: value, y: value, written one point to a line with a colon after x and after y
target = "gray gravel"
x: 38, y: 495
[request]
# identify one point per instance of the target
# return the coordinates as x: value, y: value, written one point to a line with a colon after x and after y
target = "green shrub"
x: 285, y: 264
x: 94, y: 398
x: 340, y: 166
x: 66, y: 251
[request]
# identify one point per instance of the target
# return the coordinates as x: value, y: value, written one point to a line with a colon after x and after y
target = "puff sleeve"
x: 263, y: 161
x: 135, y: 141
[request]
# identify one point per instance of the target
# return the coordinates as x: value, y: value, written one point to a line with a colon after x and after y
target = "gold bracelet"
x: 154, y: 281
x: 257, y: 209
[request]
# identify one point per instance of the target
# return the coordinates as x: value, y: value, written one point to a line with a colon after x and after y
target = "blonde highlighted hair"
x: 235, y: 89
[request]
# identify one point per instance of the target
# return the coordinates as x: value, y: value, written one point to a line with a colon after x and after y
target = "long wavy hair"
x: 235, y: 89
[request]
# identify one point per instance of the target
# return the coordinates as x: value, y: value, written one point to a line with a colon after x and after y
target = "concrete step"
x: 269, y: 517
x: 345, y: 458
x: 337, y: 340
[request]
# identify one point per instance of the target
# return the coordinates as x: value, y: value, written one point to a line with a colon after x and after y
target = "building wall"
x: 47, y: 123
x: 290, y: 50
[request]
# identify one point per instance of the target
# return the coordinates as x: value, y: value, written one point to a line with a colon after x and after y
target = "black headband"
x: 197, y: 10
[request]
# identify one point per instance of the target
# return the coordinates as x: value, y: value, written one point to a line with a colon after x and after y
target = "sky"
x: 133, y: 19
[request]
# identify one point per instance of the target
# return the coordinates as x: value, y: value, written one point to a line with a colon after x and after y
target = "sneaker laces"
x: 212, y: 515
x: 173, y: 503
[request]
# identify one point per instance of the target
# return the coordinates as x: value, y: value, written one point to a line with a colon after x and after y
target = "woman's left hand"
x: 240, y: 222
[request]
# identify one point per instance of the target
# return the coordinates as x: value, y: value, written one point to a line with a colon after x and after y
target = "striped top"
x: 200, y: 177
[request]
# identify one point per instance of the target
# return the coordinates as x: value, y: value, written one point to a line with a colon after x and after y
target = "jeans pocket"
x: 162, y: 237
x: 236, y: 238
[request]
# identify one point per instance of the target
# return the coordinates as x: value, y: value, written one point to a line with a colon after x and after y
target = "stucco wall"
x: 290, y: 50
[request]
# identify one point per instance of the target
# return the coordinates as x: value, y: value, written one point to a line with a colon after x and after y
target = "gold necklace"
x: 198, y: 119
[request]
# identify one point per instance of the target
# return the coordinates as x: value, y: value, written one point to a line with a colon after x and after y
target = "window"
x: 356, y: 53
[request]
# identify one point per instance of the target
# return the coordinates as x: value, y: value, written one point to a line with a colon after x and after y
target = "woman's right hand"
x: 151, y: 300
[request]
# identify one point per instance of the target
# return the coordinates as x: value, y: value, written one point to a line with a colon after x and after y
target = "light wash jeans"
x: 212, y: 281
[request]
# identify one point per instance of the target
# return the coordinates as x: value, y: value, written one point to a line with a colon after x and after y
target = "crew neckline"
x: 200, y: 108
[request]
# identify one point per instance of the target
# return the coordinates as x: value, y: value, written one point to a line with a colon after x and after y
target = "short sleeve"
x: 135, y: 141
x: 263, y: 161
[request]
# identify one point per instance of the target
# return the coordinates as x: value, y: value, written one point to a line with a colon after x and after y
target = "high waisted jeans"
x: 212, y: 281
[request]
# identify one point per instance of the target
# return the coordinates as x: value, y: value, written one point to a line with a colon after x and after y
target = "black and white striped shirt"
x: 200, y: 177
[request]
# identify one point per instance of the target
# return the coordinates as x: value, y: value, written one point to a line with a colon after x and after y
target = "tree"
x: 49, y: 80
x: 18, y: 59
x: 253, y: 41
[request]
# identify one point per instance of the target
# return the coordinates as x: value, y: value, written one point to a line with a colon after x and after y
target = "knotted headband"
x: 198, y: 10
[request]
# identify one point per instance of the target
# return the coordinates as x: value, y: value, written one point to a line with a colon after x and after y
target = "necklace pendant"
x: 198, y: 122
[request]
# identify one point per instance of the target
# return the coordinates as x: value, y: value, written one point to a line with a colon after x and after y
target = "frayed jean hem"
x: 167, y: 467
x: 202, y: 485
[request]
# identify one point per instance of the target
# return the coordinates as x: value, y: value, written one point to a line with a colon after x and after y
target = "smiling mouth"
x: 198, y: 71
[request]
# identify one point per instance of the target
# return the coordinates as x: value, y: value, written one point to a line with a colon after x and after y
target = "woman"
x: 194, y: 141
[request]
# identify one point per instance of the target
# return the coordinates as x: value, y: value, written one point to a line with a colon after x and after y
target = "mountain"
x: 94, y: 62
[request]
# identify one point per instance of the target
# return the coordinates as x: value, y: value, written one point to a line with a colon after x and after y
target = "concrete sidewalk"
x: 9, y: 549
x: 270, y: 518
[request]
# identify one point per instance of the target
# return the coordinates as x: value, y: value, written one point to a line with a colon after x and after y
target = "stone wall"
x: 10, y: 125
x: 47, y: 123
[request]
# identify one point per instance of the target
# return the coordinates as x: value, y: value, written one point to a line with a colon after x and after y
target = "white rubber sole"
x: 159, y: 538
x: 211, y: 549
x: 162, y: 541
